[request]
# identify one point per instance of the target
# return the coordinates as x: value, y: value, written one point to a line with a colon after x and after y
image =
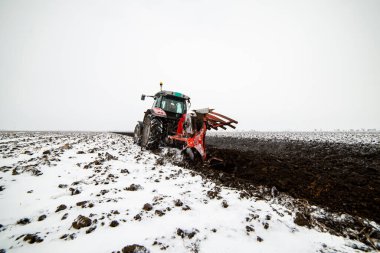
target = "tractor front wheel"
x: 152, y: 132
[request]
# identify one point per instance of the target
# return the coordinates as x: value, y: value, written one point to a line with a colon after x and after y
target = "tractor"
x: 169, y: 123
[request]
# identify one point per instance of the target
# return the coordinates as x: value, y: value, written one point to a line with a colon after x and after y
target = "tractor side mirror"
x: 142, y: 97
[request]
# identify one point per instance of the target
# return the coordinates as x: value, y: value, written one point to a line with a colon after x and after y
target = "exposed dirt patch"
x: 23, y: 221
x: 114, y: 223
x: 178, y: 202
x: 82, y: 203
x: 133, y: 187
x: 342, y: 177
x: 60, y: 208
x: 302, y: 219
x: 329, y: 175
x: 33, y: 238
x: 147, y: 207
x: 90, y: 230
x: 64, y: 217
x: 187, y: 233
x: 134, y: 248
x: 81, y: 222
x: 42, y: 217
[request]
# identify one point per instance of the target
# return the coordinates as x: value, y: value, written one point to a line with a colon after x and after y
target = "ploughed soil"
x: 341, y: 177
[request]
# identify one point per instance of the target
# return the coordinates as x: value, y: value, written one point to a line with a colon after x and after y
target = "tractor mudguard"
x: 157, y: 112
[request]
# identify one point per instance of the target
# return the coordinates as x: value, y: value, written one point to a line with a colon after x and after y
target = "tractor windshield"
x: 173, y: 104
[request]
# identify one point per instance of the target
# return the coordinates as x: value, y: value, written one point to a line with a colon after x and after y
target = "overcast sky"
x: 271, y: 65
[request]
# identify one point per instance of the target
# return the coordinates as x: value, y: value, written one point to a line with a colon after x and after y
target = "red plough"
x: 193, y: 126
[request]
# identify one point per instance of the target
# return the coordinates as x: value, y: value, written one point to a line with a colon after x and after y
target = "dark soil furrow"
x: 342, y: 177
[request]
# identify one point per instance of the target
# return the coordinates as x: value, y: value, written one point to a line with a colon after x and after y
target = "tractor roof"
x: 171, y: 93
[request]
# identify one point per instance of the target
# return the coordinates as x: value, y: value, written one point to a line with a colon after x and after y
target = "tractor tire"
x: 152, y: 133
x: 137, y: 134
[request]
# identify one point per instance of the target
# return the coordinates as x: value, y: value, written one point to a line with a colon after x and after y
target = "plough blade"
x: 215, y: 120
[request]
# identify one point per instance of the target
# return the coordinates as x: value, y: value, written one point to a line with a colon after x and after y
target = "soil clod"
x: 114, y: 223
x: 302, y: 219
x: 81, y: 222
x: 33, y: 238
x: 147, y: 207
x: 133, y: 187
x: 23, y: 221
x: 135, y: 248
x: 60, y: 208
x: 42, y: 217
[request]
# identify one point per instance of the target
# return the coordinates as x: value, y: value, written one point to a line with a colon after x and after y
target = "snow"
x: 318, y: 136
x: 217, y: 228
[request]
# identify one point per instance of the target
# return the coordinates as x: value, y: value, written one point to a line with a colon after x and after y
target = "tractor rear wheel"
x: 152, y: 132
x: 137, y: 134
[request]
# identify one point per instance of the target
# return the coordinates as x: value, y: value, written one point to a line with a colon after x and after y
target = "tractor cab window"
x: 157, y: 102
x: 173, y: 105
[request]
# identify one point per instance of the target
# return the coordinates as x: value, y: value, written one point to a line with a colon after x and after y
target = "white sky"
x: 270, y: 64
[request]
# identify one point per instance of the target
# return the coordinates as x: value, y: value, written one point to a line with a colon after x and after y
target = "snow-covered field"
x: 98, y: 192
x: 332, y: 137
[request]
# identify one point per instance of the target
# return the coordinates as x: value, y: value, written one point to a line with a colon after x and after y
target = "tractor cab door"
x: 157, y: 102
